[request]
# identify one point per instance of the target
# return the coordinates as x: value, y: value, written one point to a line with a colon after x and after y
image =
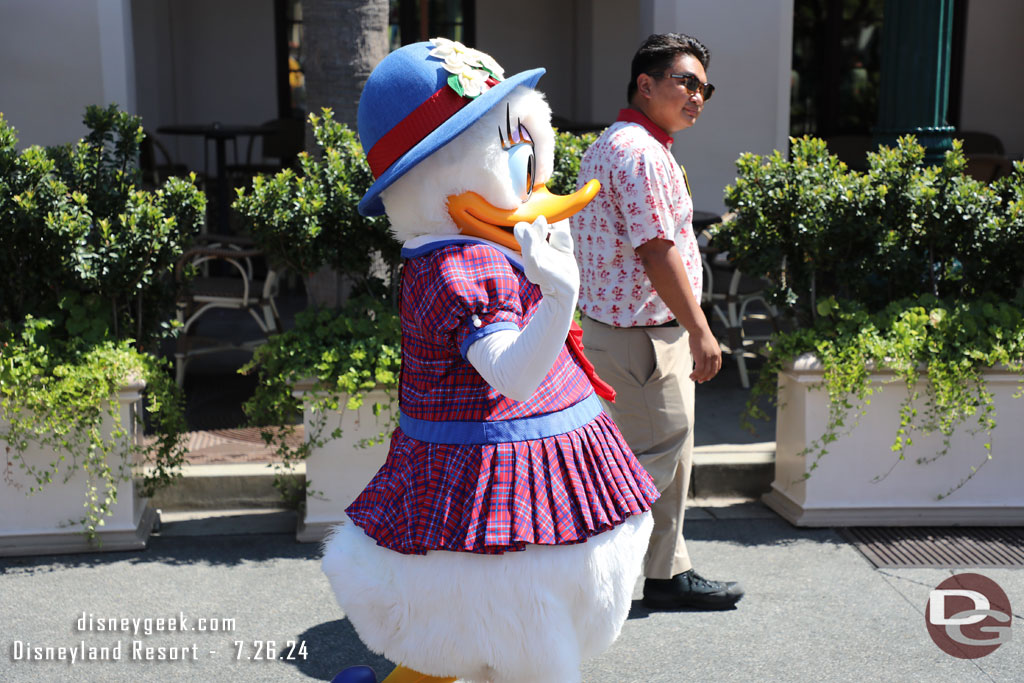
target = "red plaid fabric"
x: 444, y: 294
x: 489, y: 498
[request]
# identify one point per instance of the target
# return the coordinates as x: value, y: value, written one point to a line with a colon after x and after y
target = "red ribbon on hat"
x: 575, y: 342
x: 418, y: 124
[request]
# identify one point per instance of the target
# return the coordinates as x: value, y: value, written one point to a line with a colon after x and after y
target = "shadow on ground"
x: 767, y: 531
x: 235, y: 547
x: 333, y: 646
x: 229, y: 550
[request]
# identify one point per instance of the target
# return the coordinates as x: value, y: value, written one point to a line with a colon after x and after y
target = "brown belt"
x: 670, y: 323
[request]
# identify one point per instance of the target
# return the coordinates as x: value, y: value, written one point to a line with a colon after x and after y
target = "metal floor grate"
x: 941, y: 547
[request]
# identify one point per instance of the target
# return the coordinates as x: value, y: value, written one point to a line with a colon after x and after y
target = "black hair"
x: 659, y: 51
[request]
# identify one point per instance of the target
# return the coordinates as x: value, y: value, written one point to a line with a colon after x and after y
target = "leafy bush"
x: 816, y: 230
x: 309, y: 219
x: 80, y: 245
x: 906, y: 267
x: 569, y: 150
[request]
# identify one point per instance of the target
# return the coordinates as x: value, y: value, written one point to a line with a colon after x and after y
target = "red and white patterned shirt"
x: 643, y: 197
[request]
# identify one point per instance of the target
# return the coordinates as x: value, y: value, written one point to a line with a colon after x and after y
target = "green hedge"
x: 80, y: 244
x: 816, y: 229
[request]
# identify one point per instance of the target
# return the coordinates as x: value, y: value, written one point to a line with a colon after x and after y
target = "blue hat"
x: 412, y: 106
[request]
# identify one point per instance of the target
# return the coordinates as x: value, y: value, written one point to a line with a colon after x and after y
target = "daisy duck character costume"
x: 502, y: 538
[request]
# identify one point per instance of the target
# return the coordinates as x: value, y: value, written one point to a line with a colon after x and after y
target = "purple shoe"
x: 356, y: 674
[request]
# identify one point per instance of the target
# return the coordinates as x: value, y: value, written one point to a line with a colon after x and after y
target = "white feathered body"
x: 521, y: 617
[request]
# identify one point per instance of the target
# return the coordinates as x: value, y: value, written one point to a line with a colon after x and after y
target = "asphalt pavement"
x: 255, y: 607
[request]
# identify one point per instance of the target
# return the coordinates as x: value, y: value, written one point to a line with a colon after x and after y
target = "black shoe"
x: 690, y: 589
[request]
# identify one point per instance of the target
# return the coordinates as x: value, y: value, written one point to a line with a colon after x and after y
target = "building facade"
x: 200, y: 61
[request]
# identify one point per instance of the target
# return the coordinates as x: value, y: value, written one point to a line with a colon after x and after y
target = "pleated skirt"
x: 494, y: 498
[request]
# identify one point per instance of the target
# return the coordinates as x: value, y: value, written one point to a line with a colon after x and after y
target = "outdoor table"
x: 220, y: 133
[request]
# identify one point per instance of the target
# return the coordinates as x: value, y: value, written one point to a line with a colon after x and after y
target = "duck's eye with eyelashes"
x: 518, y: 144
x: 510, y: 136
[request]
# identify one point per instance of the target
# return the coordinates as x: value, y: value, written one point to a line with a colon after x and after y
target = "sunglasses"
x: 693, y: 85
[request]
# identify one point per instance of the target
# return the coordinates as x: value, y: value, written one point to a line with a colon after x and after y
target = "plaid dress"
x: 470, y: 469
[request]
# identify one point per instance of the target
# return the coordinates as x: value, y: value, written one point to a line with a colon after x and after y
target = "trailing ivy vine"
x: 343, y: 354
x: 949, y: 344
x: 62, y: 397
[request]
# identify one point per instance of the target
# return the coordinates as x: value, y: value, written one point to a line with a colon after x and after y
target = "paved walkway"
x: 815, y: 611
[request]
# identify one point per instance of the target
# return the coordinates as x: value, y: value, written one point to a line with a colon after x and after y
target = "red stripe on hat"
x: 420, y: 122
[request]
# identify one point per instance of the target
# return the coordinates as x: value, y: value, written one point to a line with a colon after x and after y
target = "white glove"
x: 515, y: 363
x: 549, y: 263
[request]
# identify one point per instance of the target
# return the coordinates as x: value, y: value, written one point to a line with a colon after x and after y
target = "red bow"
x: 575, y: 342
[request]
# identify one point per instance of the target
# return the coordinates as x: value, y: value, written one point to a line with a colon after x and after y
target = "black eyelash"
x: 521, y: 133
x: 508, y: 122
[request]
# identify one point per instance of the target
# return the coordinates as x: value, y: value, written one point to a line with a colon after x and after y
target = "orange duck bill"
x: 476, y: 217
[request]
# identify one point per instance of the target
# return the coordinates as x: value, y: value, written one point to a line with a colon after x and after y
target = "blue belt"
x: 503, y: 431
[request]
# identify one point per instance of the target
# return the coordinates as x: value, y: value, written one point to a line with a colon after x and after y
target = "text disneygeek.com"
x: 135, y: 647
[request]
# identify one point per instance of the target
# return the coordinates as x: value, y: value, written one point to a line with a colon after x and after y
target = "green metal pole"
x: 916, y: 39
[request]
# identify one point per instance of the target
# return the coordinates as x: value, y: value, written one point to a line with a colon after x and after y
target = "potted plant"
x: 339, y: 370
x: 906, y: 339
x: 85, y: 259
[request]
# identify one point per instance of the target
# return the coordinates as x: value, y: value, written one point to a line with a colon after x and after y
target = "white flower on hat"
x: 469, y: 67
x: 474, y: 82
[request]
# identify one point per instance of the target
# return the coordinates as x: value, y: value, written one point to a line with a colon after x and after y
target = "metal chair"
x: 728, y: 294
x: 238, y: 289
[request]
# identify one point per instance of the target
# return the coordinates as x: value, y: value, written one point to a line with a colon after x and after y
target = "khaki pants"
x: 650, y: 367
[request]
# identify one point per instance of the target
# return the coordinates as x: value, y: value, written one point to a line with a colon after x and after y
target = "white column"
x: 992, y: 100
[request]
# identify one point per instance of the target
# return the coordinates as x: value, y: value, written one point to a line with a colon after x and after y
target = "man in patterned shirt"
x: 640, y: 273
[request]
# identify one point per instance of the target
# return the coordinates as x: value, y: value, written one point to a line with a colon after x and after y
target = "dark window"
x: 291, y: 82
x: 837, y: 66
x: 416, y: 20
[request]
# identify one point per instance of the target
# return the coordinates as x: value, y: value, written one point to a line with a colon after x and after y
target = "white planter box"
x: 45, y: 522
x: 850, y: 487
x: 341, y: 469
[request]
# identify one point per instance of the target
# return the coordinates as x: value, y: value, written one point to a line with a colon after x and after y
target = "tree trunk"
x: 344, y: 41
